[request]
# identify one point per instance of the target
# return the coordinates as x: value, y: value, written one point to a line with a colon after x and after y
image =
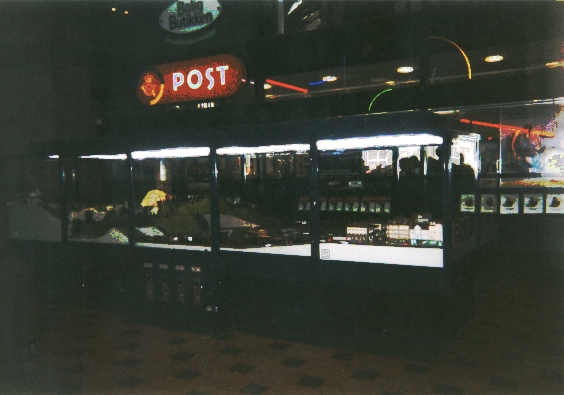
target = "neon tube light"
x: 283, y: 85
x: 544, y: 133
x: 461, y: 51
x: 375, y: 97
x: 180, y: 152
x: 262, y: 149
x: 401, y: 140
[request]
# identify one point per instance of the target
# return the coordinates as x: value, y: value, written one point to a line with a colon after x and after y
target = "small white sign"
x: 509, y: 204
x: 533, y: 203
x: 555, y: 203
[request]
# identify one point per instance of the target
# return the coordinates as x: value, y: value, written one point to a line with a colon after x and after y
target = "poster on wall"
x: 488, y: 203
x: 532, y: 146
x: 555, y: 203
x: 533, y: 203
x: 509, y: 204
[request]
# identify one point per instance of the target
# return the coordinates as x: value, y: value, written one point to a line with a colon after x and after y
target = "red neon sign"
x: 197, y: 79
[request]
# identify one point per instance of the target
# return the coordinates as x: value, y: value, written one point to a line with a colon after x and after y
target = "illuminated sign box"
x: 197, y: 79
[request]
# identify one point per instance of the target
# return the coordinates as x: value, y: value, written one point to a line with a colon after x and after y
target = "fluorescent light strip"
x: 380, y: 141
x: 262, y: 149
x: 106, y: 157
x: 53, y: 156
x: 180, y: 152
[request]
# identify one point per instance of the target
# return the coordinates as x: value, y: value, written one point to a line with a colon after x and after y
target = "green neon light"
x: 376, y: 97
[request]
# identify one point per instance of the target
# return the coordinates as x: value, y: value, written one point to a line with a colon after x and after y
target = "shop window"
x: 33, y: 210
x: 172, y: 198
x: 97, y: 197
x: 264, y: 199
x: 384, y: 216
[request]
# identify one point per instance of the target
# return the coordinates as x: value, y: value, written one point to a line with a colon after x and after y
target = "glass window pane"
x: 264, y: 199
x: 33, y: 210
x: 98, y: 197
x: 375, y: 204
x: 172, y: 198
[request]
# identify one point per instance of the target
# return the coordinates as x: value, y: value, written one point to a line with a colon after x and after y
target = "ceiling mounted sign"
x: 197, y: 79
x: 189, y: 16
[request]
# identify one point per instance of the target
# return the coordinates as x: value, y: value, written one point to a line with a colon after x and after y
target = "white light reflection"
x: 53, y: 156
x: 380, y: 141
x: 180, y: 152
x: 105, y: 157
x: 262, y: 150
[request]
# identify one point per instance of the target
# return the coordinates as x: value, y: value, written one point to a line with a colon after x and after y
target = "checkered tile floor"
x: 512, y: 344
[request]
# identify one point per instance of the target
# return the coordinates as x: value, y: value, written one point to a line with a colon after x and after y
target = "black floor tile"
x: 182, y: 356
x: 309, y: 381
x: 553, y: 376
x: 342, y: 356
x: 74, y: 368
x: 188, y: 374
x: 502, y: 382
x: 83, y: 338
x: 130, y: 382
x: 129, y: 362
x: 130, y: 332
x: 70, y: 388
x: 445, y: 389
x: 466, y: 362
x: 254, y: 389
x: 364, y: 375
x: 231, y: 351
x: 129, y: 346
x: 294, y: 362
x: 242, y: 368
x: 279, y: 346
x: 478, y: 341
x: 177, y: 341
x: 78, y: 352
x: 413, y: 368
x: 224, y: 336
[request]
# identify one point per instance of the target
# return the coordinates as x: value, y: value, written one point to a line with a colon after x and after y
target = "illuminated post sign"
x: 197, y: 79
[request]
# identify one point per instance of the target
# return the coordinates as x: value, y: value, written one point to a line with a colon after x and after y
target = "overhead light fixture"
x: 105, y: 157
x: 114, y: 9
x: 380, y: 141
x: 266, y: 149
x: 330, y: 78
x: 53, y: 156
x: 405, y: 69
x: 180, y: 152
x: 294, y: 6
x: 494, y: 58
x: 126, y: 12
x: 558, y: 63
x: 390, y: 82
x: 267, y: 86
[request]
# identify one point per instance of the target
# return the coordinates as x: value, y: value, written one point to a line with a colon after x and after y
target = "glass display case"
x: 34, y: 207
x: 97, y: 199
x: 382, y: 208
x: 264, y: 199
x: 172, y: 198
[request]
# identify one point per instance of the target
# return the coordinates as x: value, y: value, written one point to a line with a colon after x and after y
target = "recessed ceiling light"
x: 405, y: 69
x: 390, y: 82
x: 330, y: 78
x: 494, y: 58
x: 267, y: 86
x: 113, y: 9
x: 126, y: 12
